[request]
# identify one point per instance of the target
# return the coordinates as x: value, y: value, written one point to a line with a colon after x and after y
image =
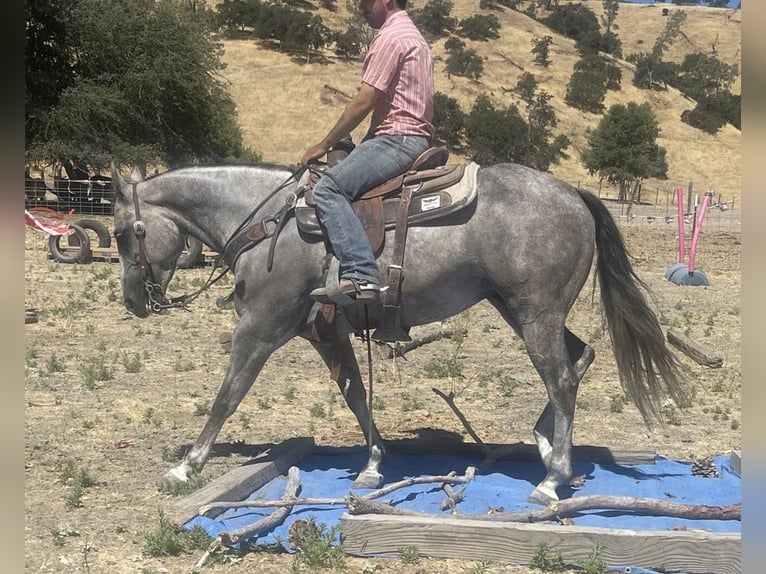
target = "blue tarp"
x: 329, y: 472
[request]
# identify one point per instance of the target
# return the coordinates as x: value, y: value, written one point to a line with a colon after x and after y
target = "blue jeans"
x: 371, y: 163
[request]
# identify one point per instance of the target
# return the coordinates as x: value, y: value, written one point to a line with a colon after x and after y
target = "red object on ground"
x: 49, y: 225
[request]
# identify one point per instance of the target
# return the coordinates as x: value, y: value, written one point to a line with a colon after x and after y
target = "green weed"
x: 183, y: 366
x: 481, y: 567
x: 617, y: 404
x: 507, y: 384
x: 167, y: 541
x: 263, y: 403
x: 77, y: 480
x: 177, y: 488
x: 315, y: 549
x: 55, y: 364
x: 317, y: 411
x: 96, y: 370
x: 410, y: 403
x: 545, y: 560
x: 132, y: 364
x: 409, y: 554
x: 172, y: 453
x: 62, y: 532
x: 289, y: 394
x: 444, y: 368
x: 718, y: 386
x: 201, y: 409
x: 73, y: 308
x: 148, y: 415
x: 594, y: 563
x: 670, y: 415
x: 30, y: 358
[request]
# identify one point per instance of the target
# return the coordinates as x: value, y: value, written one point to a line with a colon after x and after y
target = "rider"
x: 397, y: 86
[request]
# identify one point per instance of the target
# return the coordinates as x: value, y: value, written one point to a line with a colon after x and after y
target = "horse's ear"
x: 137, y: 174
x: 118, y: 182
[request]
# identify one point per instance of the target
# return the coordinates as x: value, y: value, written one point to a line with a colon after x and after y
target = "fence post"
x: 689, y: 198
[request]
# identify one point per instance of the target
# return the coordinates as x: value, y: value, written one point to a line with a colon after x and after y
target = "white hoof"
x: 368, y: 479
x: 175, y: 475
x: 544, y: 495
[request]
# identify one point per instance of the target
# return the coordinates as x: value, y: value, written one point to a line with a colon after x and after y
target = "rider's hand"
x: 314, y: 152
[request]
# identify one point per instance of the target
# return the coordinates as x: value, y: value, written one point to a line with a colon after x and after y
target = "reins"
x: 154, y: 291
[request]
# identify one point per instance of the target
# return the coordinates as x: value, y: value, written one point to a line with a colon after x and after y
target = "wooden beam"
x: 699, y: 353
x: 695, y: 552
x: 241, y: 481
x: 735, y: 462
x: 522, y: 451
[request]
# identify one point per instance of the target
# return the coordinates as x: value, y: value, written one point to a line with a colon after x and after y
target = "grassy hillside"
x: 285, y: 104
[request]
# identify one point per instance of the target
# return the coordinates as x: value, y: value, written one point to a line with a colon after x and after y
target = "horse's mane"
x: 219, y: 167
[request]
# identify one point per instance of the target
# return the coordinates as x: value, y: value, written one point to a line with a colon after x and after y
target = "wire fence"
x: 659, y: 208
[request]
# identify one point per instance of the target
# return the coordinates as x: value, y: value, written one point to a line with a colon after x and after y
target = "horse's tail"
x: 648, y: 370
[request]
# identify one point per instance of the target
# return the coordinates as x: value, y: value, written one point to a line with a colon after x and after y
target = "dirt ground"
x: 113, y: 398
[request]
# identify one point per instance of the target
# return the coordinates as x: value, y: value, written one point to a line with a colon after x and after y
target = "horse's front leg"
x: 339, y: 357
x: 248, y: 356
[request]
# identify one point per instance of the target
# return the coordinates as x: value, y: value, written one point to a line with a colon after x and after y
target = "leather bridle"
x: 152, y: 287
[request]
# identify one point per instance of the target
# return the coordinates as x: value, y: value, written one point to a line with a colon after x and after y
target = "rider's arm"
x: 356, y: 110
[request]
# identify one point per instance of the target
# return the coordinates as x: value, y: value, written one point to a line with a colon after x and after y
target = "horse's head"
x: 148, y: 243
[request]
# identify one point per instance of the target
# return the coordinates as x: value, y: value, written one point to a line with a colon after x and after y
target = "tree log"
x: 401, y: 350
x: 699, y: 353
x: 571, y: 506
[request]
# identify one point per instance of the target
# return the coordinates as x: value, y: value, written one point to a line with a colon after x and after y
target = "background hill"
x: 284, y: 104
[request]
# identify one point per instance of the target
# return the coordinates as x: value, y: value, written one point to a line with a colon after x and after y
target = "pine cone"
x: 705, y: 467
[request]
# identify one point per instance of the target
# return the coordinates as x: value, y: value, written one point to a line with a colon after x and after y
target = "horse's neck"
x: 213, y: 207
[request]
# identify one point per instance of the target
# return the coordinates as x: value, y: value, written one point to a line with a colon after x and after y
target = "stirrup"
x: 348, y: 291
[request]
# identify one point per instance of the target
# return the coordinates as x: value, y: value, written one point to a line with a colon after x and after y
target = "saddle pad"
x: 424, y: 207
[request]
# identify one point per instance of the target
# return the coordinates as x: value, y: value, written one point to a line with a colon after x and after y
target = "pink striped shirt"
x: 399, y: 64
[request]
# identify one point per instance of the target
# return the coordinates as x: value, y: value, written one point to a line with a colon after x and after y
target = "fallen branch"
x: 453, y: 497
x: 507, y: 59
x: 491, y: 453
x: 231, y: 537
x: 569, y: 507
x: 696, y: 351
x: 401, y: 350
x: 450, y: 400
x: 336, y: 91
x: 285, y: 501
x: 361, y: 505
x: 289, y: 500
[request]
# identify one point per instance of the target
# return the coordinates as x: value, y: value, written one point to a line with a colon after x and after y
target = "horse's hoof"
x: 543, y: 495
x: 173, y: 476
x: 368, y: 479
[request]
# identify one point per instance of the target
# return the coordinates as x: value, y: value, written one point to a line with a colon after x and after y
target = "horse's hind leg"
x: 547, y: 348
x: 339, y: 357
x: 581, y: 355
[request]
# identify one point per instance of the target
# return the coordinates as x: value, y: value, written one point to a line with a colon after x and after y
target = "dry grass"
x: 284, y: 104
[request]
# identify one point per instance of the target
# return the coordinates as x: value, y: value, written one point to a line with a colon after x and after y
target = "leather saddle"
x: 429, y: 190
x: 436, y: 188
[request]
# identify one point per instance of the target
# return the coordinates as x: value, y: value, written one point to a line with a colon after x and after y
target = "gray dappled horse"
x: 526, y: 245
